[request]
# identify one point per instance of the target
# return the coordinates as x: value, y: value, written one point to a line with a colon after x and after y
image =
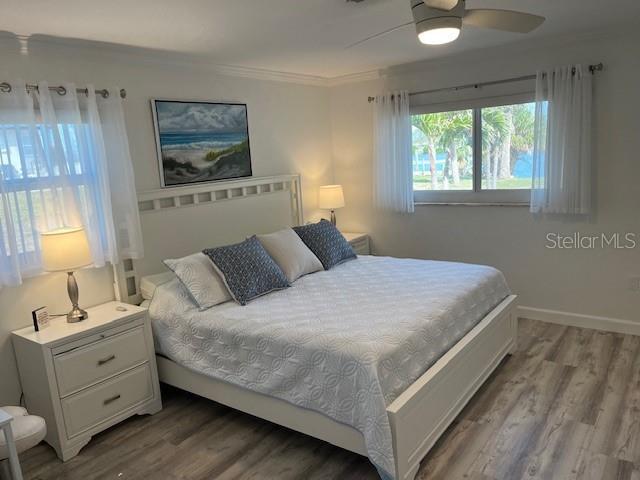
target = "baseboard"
x: 579, y: 320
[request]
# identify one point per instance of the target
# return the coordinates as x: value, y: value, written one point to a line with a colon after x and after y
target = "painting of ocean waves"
x: 201, y: 141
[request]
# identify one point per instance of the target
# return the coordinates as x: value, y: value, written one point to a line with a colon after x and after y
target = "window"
x: 64, y: 162
x: 443, y: 150
x: 476, y: 155
x: 34, y: 186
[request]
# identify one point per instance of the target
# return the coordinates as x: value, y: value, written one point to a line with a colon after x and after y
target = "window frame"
x: 477, y: 196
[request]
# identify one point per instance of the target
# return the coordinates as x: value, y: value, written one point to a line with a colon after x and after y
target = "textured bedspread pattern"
x: 344, y: 342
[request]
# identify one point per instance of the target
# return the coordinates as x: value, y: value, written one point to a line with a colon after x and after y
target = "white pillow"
x: 290, y: 253
x: 197, y: 274
x: 149, y: 283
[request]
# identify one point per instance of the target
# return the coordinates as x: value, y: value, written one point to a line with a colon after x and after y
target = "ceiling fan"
x: 440, y: 21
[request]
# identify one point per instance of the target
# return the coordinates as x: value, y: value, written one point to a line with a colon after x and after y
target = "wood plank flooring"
x: 566, y: 405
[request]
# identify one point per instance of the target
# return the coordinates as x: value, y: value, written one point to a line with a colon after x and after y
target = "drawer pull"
x: 106, y: 360
x: 111, y: 400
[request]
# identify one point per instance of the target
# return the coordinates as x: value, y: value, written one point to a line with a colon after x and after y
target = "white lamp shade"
x: 330, y: 197
x: 65, y: 250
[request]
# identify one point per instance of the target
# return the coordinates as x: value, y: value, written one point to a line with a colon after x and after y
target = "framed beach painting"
x: 201, y: 141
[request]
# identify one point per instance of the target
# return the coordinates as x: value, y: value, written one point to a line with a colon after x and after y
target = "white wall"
x: 289, y: 133
x: 588, y: 282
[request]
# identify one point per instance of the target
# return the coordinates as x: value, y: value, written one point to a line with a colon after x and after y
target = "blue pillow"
x: 326, y: 242
x: 247, y: 270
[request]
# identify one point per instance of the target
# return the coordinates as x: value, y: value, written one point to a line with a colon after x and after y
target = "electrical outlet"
x: 634, y: 283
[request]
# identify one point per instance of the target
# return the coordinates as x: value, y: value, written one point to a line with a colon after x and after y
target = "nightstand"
x: 359, y: 242
x: 85, y: 377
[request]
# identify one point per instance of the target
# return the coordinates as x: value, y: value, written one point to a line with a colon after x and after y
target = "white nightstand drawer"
x: 89, y: 407
x: 99, y: 360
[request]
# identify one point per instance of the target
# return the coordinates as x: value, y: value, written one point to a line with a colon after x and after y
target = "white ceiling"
x: 295, y: 36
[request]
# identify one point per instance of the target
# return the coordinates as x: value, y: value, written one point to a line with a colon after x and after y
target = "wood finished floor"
x: 565, y: 406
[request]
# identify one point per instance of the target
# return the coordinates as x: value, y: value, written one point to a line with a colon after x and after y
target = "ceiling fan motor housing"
x: 430, y: 18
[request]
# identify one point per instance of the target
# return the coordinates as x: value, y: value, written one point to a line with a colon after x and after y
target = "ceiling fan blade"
x: 378, y: 35
x: 506, y: 20
x: 442, y: 4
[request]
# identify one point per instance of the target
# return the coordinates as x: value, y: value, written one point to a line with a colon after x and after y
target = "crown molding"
x: 273, y: 75
x: 140, y: 55
x: 147, y: 56
x: 354, y: 78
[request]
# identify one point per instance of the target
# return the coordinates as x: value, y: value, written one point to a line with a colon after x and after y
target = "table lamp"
x: 331, y: 197
x: 67, y: 250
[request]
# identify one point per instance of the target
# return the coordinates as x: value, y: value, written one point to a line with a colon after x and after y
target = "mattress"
x: 344, y: 342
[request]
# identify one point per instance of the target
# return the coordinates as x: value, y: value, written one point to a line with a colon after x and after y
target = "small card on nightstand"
x: 40, y: 318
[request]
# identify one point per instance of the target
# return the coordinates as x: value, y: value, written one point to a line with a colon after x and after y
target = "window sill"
x: 473, y: 204
x: 482, y: 198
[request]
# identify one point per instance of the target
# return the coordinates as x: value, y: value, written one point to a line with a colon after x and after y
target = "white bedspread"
x: 344, y: 342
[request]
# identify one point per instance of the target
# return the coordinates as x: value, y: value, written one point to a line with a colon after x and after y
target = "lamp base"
x: 333, y: 217
x: 77, y: 315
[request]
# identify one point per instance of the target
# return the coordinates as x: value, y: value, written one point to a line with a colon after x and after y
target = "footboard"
x: 423, y: 412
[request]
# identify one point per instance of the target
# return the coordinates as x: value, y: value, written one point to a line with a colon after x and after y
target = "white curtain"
x: 64, y: 162
x: 562, y: 143
x: 392, y: 154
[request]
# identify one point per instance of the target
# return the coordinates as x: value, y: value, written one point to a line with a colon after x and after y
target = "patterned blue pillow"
x: 326, y: 242
x: 247, y: 269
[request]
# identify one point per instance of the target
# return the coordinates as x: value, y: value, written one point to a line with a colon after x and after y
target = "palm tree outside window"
x: 481, y: 154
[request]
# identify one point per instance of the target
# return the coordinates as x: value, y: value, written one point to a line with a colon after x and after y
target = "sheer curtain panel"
x: 392, y: 154
x: 562, y: 141
x: 64, y: 162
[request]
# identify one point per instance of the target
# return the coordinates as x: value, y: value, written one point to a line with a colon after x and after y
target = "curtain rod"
x: 592, y: 68
x: 60, y: 90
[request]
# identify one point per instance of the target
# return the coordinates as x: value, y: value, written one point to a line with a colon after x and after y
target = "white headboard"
x: 181, y: 220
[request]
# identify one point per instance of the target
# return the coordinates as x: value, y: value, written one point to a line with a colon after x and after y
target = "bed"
x: 377, y: 355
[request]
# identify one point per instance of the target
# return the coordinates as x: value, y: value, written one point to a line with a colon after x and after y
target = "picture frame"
x: 201, y: 141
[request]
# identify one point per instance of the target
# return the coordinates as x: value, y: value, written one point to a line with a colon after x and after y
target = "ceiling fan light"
x: 439, y: 30
x: 439, y: 36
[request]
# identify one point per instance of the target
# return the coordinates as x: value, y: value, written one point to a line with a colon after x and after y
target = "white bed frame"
x: 417, y: 417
